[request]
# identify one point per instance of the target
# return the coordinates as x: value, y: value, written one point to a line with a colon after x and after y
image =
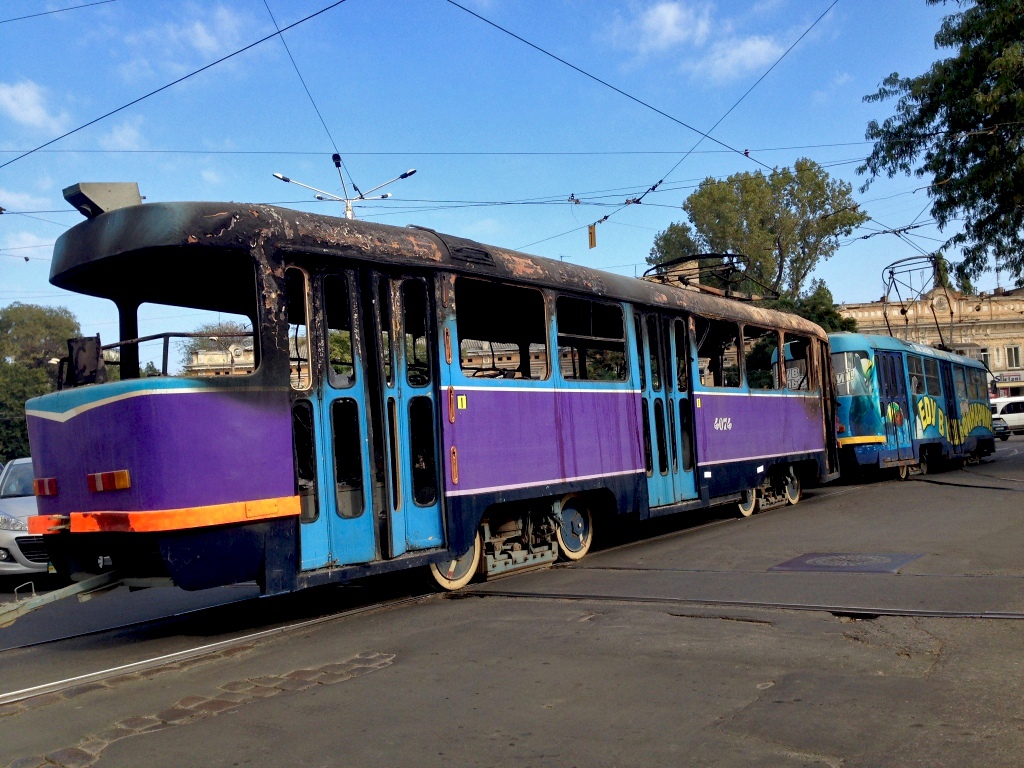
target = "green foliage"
x: 960, y: 126
x: 785, y: 223
x: 818, y: 306
x: 30, y: 336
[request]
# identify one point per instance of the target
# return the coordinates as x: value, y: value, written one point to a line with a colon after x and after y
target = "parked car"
x: 1000, y: 428
x: 20, y: 553
x: 1012, y: 410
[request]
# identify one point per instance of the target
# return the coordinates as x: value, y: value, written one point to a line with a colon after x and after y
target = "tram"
x: 903, y: 404
x: 413, y: 400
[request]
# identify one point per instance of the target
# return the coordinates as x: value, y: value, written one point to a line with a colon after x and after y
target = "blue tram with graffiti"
x: 902, y: 404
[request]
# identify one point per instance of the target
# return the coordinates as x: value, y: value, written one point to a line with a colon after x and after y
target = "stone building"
x: 987, y: 327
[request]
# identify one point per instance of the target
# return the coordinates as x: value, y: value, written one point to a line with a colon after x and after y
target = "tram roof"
x: 157, y: 230
x: 853, y: 342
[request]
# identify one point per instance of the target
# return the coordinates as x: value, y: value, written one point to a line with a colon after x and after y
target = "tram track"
x: 57, y: 686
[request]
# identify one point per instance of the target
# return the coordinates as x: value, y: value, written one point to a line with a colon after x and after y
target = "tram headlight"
x: 8, y: 523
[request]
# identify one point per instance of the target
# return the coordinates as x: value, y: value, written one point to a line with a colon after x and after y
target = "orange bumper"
x: 153, y: 521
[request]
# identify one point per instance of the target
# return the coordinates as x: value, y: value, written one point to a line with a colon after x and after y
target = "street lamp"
x: 321, y: 195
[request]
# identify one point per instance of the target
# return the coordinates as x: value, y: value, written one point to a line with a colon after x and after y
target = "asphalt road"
x: 673, y: 649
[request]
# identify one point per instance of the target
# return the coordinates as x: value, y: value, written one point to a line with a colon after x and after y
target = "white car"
x: 1011, y: 409
x: 20, y: 553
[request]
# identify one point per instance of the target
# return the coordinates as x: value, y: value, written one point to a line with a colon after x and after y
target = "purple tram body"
x: 399, y: 398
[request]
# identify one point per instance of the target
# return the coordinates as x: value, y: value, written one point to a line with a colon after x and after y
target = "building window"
x: 984, y: 356
x: 1013, y: 357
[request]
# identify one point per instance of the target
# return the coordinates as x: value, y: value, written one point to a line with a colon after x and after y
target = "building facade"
x: 987, y: 327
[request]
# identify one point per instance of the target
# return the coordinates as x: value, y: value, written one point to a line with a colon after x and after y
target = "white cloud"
x: 32, y: 244
x: 662, y: 27
x: 211, y: 177
x: 198, y: 36
x: 124, y: 136
x: 25, y: 104
x: 21, y: 201
x: 732, y: 58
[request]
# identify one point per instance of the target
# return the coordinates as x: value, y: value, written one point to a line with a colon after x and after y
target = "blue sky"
x: 421, y: 83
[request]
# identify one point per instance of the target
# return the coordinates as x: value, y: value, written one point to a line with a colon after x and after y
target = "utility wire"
x: 306, y: 88
x: 605, y: 83
x: 58, y: 10
x: 174, y: 82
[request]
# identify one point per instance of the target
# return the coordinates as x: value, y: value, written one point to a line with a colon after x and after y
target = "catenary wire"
x: 172, y: 83
x: 56, y: 10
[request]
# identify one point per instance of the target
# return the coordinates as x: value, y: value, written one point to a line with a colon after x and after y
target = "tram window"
x: 852, y: 372
x: 297, y: 308
x: 304, y: 441
x: 640, y: 351
x: 799, y: 371
x: 760, y: 353
x: 591, y: 340
x: 685, y: 434
x: 502, y: 330
x: 384, y: 321
x: 682, y: 348
x: 212, y: 344
x: 915, y: 370
x: 653, y: 347
x: 348, y: 459
x: 422, y: 450
x: 659, y: 428
x: 975, y: 388
x: 338, y: 310
x: 414, y: 313
x: 648, y: 454
x: 960, y: 381
x: 718, y: 353
x: 932, y: 382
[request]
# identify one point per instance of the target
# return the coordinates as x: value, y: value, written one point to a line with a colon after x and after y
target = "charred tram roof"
x: 153, y: 230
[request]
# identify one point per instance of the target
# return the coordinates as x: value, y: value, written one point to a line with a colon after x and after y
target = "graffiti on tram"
x: 931, y: 415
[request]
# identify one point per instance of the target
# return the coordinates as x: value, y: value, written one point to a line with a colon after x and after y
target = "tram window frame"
x: 915, y: 374
x: 638, y: 327
x: 422, y: 437
x: 653, y: 334
x: 491, y: 313
x: 583, y: 335
x: 752, y: 336
x: 974, y: 386
x: 295, y: 377
x: 422, y: 375
x: 333, y: 316
x: 960, y: 378
x: 932, y: 378
x: 809, y: 379
x: 349, y: 497
x: 714, y: 348
x: 850, y: 362
x: 304, y: 459
x: 682, y: 359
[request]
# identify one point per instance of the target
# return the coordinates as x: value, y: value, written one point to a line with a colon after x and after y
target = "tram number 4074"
x: 723, y: 424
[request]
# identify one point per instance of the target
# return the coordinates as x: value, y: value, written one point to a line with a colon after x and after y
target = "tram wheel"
x: 904, y: 472
x: 576, y: 531
x: 792, y: 488
x: 750, y: 504
x: 450, y: 575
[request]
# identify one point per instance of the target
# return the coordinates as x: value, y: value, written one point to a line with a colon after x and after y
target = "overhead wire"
x: 164, y: 87
x: 56, y: 10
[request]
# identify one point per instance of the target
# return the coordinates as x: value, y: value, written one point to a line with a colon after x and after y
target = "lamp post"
x: 360, y: 195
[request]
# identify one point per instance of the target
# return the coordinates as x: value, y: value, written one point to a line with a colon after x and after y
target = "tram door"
x: 952, y: 406
x: 670, y: 476
x: 410, y: 514
x: 892, y: 396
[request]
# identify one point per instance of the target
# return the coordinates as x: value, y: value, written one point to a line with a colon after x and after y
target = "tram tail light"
x: 45, y: 486
x: 109, y: 481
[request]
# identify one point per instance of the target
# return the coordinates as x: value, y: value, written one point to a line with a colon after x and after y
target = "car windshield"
x: 17, y: 481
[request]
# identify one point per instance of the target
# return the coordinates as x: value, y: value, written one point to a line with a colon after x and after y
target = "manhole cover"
x: 848, y: 562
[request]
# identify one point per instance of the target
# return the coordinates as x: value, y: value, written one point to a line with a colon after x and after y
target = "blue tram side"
x: 413, y: 399
x: 902, y: 404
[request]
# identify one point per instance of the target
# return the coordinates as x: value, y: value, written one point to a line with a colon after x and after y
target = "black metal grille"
x: 33, y: 548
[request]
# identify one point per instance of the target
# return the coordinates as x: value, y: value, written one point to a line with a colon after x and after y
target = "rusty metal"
x: 182, y: 232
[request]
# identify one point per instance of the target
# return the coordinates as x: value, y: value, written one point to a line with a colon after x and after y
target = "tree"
x: 818, y: 306
x: 785, y: 223
x: 960, y: 126
x: 30, y: 336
